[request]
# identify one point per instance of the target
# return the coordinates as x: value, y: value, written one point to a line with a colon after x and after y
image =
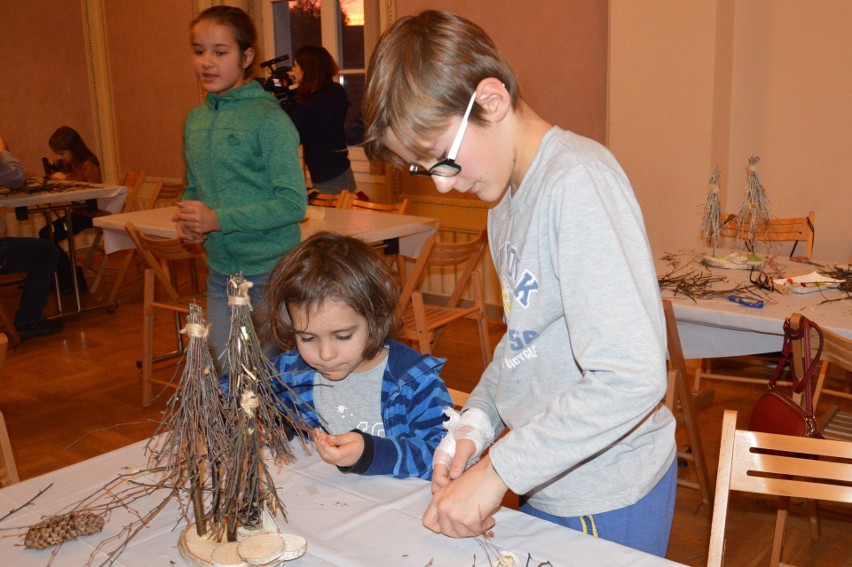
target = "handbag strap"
x: 803, y: 384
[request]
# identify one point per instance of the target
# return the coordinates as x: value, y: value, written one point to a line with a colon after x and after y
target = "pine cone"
x: 57, y: 529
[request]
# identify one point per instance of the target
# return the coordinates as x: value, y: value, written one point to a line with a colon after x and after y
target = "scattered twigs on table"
x: 695, y: 284
x: 27, y: 503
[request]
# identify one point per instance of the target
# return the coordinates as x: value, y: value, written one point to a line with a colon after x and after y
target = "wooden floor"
x: 77, y: 394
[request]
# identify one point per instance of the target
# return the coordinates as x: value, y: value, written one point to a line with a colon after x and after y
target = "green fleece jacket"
x: 242, y: 161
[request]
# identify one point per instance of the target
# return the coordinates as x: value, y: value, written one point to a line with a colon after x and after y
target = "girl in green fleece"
x: 245, y: 193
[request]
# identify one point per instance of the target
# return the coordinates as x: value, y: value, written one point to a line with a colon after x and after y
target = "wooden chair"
x: 778, y: 465
x: 166, y: 194
x: 424, y: 323
x: 339, y: 201
x: 836, y: 352
x: 795, y: 230
x: 7, y: 318
x: 161, y: 256
x: 8, y: 469
x: 361, y: 205
x: 458, y: 397
x: 682, y: 402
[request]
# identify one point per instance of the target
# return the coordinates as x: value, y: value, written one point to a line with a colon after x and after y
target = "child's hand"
x: 196, y: 218
x: 341, y: 450
x: 465, y: 507
x: 446, y: 468
x: 58, y: 175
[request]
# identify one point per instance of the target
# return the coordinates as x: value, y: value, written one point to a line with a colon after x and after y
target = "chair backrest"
x: 836, y: 350
x: 8, y: 469
x: 159, y: 253
x: 396, y: 208
x: 339, y: 201
x: 458, y: 397
x: 436, y: 254
x: 778, y: 465
x: 167, y: 194
x: 133, y: 180
x: 796, y: 229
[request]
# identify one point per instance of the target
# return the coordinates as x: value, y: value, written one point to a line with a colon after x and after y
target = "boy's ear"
x: 493, y: 97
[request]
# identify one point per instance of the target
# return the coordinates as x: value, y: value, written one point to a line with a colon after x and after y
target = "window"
x: 337, y: 25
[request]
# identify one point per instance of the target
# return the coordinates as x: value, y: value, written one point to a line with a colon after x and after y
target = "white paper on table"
x: 807, y: 283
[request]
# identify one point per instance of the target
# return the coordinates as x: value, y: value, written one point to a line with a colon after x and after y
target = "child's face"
x: 219, y: 65
x: 297, y: 73
x: 485, y: 170
x: 331, y: 339
x: 65, y: 155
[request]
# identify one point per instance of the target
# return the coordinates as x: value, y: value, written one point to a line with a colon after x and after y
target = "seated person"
x: 38, y: 258
x: 376, y: 404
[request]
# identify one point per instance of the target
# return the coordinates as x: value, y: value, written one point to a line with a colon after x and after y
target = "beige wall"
x: 44, y: 83
x: 698, y: 84
x: 46, y: 79
x: 557, y: 50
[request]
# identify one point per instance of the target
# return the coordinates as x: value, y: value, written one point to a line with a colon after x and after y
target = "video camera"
x: 278, y: 82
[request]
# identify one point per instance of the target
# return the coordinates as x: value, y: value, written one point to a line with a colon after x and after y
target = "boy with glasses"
x: 578, y: 377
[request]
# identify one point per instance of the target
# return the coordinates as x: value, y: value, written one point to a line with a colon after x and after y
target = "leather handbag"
x: 776, y: 412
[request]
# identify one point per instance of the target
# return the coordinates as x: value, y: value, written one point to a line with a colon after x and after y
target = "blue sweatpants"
x: 645, y: 525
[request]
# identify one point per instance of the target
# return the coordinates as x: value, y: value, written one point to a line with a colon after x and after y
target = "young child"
x: 75, y: 162
x: 579, y: 376
x: 245, y: 193
x: 331, y: 304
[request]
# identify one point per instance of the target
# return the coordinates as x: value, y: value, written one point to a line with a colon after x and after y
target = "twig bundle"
x: 755, y: 211
x: 711, y: 222
x: 257, y: 418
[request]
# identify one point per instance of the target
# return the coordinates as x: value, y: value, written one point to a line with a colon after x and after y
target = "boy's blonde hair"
x: 421, y: 74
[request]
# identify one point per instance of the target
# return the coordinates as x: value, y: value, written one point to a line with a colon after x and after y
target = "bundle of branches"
x: 711, y: 222
x: 755, y: 213
x: 257, y: 416
x: 195, y: 429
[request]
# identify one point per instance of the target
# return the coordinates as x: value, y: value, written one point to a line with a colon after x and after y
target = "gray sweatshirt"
x: 579, y: 377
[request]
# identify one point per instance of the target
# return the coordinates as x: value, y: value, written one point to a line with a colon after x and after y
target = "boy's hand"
x: 444, y: 471
x: 465, y: 507
x: 58, y: 175
x: 341, y: 450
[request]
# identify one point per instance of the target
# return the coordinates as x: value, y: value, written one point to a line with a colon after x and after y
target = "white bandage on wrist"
x: 446, y: 449
x: 475, y: 426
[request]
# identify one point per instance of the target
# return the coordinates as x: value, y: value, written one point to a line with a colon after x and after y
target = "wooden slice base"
x: 260, y: 550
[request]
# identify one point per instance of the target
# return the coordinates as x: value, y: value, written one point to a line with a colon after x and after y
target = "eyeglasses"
x: 763, y: 281
x: 448, y: 167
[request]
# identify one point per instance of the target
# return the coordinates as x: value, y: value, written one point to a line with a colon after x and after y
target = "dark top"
x: 320, y: 121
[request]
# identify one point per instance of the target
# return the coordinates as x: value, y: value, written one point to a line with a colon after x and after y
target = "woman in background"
x: 319, y: 114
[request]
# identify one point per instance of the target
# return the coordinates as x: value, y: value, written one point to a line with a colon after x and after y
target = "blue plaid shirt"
x: 412, y: 403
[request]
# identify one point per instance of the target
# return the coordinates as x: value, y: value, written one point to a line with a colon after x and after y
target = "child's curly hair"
x: 336, y: 267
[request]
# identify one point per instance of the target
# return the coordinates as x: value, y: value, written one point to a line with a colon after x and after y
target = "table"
x: 711, y: 328
x: 371, y: 226
x: 64, y: 197
x: 348, y: 520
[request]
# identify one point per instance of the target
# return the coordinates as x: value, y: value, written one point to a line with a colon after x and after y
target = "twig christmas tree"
x: 257, y: 418
x: 196, y: 431
x: 755, y: 213
x: 711, y: 223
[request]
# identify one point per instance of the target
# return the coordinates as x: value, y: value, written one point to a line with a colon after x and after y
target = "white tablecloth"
x: 372, y: 226
x: 718, y: 327
x: 348, y: 520
x: 110, y: 197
